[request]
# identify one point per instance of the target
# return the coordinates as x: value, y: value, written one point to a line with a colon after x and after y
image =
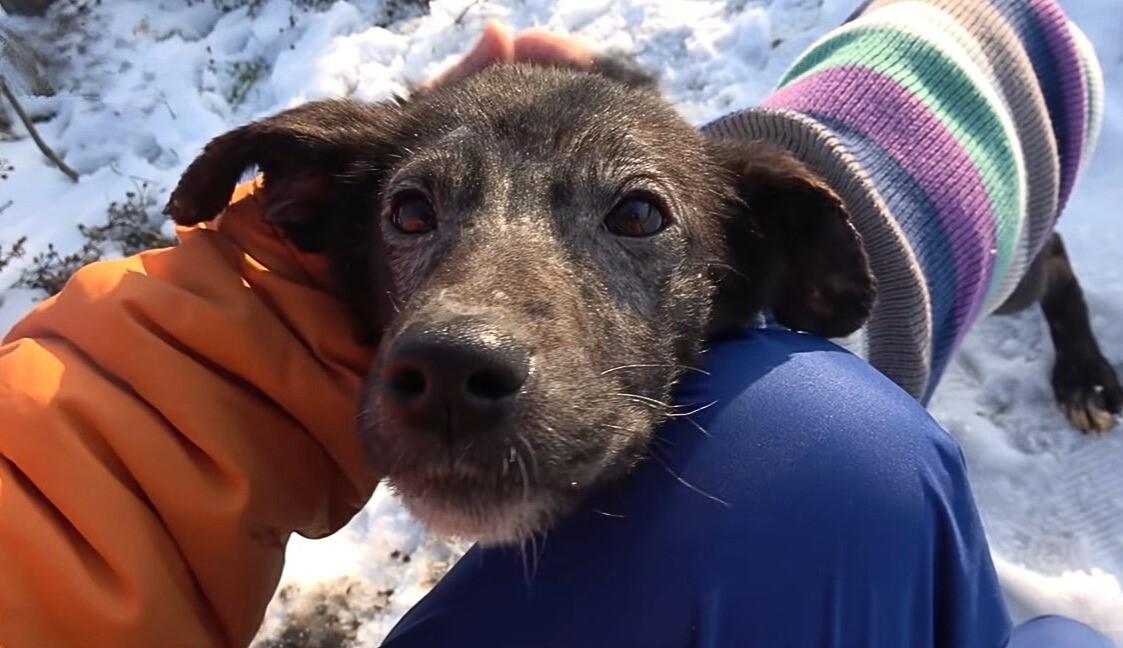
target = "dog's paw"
x: 1088, y: 392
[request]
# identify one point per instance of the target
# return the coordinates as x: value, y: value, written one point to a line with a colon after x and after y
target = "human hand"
x: 497, y: 44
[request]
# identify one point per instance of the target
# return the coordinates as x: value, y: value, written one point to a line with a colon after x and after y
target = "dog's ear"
x: 790, y: 247
x: 308, y: 156
x: 322, y: 165
x: 623, y: 68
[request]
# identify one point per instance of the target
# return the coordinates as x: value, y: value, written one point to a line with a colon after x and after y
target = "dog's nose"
x: 460, y: 376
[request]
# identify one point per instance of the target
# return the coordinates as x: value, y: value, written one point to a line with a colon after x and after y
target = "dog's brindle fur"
x: 521, y: 165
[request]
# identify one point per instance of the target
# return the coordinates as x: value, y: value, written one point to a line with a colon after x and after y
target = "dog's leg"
x: 1031, y: 288
x: 1084, y: 383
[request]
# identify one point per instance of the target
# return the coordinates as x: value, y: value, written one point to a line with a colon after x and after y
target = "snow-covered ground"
x: 144, y: 83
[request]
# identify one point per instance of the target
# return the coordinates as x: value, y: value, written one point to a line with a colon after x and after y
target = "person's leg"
x: 1056, y: 632
x: 821, y: 507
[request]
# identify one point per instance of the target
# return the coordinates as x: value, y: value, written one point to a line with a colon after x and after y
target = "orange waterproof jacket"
x: 166, y: 422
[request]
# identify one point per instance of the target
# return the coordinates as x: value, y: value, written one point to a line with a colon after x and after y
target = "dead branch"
x: 51, y: 155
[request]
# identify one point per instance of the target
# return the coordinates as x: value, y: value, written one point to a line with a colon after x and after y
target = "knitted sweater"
x: 954, y: 131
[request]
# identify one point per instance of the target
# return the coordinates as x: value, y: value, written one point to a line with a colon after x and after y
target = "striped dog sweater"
x: 954, y: 131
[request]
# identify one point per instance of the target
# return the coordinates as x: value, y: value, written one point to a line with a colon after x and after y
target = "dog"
x: 540, y: 254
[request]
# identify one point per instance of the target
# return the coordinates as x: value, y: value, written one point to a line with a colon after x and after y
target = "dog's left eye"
x: 413, y: 214
x: 635, y: 217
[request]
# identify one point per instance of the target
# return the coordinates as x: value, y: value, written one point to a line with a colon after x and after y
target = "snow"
x: 144, y: 84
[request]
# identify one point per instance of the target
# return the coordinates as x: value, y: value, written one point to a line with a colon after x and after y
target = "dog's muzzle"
x: 455, y: 378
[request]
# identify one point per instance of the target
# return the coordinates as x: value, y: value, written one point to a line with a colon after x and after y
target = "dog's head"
x: 540, y: 254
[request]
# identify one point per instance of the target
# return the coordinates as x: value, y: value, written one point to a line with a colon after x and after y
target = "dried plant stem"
x: 51, y: 155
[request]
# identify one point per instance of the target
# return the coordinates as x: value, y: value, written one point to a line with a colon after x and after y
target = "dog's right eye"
x: 635, y: 217
x: 412, y: 214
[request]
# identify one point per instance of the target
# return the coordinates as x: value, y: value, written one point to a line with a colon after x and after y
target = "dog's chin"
x: 486, y: 522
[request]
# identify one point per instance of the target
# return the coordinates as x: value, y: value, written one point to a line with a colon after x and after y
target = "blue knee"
x: 1052, y: 631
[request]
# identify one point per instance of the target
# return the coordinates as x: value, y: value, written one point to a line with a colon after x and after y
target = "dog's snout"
x: 459, y: 375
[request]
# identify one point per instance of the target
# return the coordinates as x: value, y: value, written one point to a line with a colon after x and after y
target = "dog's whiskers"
x: 397, y: 461
x: 731, y: 269
x: 464, y: 452
x: 393, y: 302
x: 530, y: 562
x: 530, y: 454
x: 655, y: 440
x: 697, y: 425
x: 536, y: 553
x: 644, y: 400
x: 606, y: 513
x: 525, y: 477
x: 694, y: 411
x: 654, y: 366
x: 686, y: 417
x: 654, y: 455
x: 667, y: 409
x: 542, y: 549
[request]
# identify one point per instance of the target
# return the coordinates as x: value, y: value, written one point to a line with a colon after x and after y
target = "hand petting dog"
x: 166, y: 423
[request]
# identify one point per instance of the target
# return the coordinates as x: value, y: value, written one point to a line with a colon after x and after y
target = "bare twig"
x: 460, y: 19
x: 51, y: 155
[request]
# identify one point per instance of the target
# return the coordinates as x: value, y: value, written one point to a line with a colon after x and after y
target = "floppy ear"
x: 322, y: 164
x: 790, y: 247
x: 624, y: 69
x: 307, y: 155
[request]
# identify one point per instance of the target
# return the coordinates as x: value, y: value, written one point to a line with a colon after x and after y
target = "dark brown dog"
x: 541, y: 253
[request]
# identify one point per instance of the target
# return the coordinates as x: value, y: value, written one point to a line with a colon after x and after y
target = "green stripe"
x: 947, y: 91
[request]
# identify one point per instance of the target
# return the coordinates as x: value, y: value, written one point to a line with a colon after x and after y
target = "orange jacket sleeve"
x: 166, y: 421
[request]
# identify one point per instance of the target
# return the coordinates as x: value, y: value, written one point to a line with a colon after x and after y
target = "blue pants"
x: 823, y: 508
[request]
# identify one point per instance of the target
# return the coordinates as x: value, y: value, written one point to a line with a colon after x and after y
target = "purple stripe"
x: 887, y: 113
x: 1062, y: 45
